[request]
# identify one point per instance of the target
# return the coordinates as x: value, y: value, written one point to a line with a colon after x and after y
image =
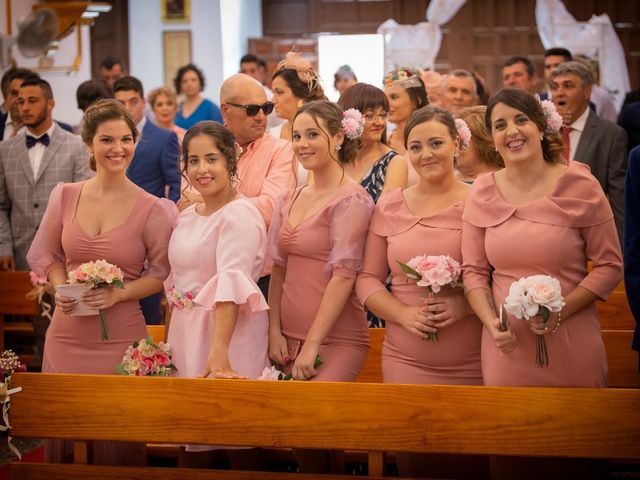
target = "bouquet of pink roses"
x: 147, y: 358
x: 433, y: 272
x: 272, y: 373
x: 98, y: 274
x: 530, y: 296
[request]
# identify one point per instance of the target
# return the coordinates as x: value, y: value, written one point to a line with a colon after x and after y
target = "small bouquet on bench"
x: 98, y: 274
x: 530, y: 296
x: 147, y: 358
x: 433, y: 272
x: 272, y: 373
x: 9, y: 364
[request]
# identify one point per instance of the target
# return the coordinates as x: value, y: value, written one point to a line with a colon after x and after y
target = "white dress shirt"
x: 37, y: 151
x: 576, y: 133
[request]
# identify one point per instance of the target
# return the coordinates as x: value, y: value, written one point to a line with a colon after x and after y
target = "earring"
x: 300, y: 103
x: 542, y: 137
x: 456, y: 155
x: 338, y: 147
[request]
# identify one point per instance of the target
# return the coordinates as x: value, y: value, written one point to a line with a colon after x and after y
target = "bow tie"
x: 31, y: 141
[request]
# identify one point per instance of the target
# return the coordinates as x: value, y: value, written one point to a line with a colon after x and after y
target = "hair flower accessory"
x: 554, y: 120
x: 353, y: 123
x: 406, y: 77
x: 464, y: 133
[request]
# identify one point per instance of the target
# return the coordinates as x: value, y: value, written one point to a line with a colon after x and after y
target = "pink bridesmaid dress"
x: 327, y: 243
x: 553, y: 235
x: 73, y: 345
x: 218, y: 258
x: 138, y: 246
x: 397, y: 235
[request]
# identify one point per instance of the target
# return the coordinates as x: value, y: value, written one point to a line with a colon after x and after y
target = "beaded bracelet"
x: 555, y: 329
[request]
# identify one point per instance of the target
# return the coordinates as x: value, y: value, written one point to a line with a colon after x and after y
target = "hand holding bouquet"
x: 535, y: 295
x: 147, y: 358
x: 98, y: 274
x: 433, y: 272
x: 272, y: 373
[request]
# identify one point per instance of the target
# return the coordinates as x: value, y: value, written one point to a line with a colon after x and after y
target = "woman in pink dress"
x: 316, y: 241
x: 424, y: 219
x: 538, y: 216
x: 217, y: 253
x: 107, y: 217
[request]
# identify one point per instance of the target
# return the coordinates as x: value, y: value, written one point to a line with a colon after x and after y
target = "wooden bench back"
x: 13, y: 288
x: 598, y: 423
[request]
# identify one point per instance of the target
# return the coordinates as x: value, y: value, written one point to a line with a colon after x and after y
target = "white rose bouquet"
x: 530, y: 296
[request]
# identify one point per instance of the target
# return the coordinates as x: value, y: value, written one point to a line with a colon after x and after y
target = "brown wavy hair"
x: 482, y: 141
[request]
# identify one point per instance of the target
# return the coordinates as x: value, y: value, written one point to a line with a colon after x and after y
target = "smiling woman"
x: 106, y: 217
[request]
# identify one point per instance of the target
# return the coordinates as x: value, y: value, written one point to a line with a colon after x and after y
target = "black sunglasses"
x: 253, y: 109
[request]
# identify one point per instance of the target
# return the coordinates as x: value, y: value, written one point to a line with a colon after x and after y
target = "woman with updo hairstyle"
x: 316, y: 242
x: 294, y: 83
x: 106, y: 217
x: 538, y: 216
x: 406, y: 93
x: 481, y: 156
x: 219, y: 320
x: 429, y: 339
x: 164, y: 104
x: 376, y: 167
x: 190, y: 82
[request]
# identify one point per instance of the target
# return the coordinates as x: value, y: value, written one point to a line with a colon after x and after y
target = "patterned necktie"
x: 567, y: 143
x: 31, y: 141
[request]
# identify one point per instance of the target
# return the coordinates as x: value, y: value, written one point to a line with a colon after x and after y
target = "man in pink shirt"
x: 266, y: 168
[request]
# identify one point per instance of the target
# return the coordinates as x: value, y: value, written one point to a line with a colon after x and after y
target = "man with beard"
x: 33, y: 162
x: 265, y: 167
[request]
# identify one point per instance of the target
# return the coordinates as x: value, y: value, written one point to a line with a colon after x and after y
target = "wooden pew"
x: 13, y: 288
x: 589, y: 423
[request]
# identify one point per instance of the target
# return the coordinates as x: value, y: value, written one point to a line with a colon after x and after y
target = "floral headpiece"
x: 353, y: 123
x: 464, y: 133
x: 405, y: 77
x: 303, y: 67
x: 554, y: 120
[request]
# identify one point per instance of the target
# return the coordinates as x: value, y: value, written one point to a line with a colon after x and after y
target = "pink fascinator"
x: 303, y: 67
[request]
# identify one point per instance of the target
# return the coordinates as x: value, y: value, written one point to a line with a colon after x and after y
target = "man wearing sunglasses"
x: 265, y: 169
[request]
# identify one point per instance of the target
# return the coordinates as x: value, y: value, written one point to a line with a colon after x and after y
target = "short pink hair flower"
x: 353, y: 123
x: 464, y: 133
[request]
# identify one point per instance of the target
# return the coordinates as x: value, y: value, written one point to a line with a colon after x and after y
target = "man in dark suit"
x: 599, y: 143
x: 155, y: 164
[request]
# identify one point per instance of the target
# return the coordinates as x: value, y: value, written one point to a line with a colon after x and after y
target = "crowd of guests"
x: 289, y: 244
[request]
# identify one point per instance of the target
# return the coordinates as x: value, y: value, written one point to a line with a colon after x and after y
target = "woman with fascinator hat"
x: 406, y: 93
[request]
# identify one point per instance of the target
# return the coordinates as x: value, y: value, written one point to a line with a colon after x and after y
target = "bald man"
x: 265, y: 168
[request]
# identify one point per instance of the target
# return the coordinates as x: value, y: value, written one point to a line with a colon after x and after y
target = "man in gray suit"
x: 599, y: 143
x: 31, y: 164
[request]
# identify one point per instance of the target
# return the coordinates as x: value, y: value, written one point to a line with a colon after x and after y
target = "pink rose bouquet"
x: 272, y: 373
x: 433, y: 272
x: 178, y: 299
x: 530, y: 296
x: 98, y: 274
x: 147, y: 358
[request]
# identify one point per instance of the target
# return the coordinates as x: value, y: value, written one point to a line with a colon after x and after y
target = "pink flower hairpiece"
x: 303, y: 67
x: 554, y: 120
x: 353, y: 123
x: 464, y: 133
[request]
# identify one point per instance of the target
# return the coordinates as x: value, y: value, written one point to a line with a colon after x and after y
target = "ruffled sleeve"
x: 46, y: 253
x: 274, y: 252
x: 242, y: 239
x: 350, y: 218
x: 155, y: 236
x: 375, y: 268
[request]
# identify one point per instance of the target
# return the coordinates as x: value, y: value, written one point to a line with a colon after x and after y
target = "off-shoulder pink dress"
x: 327, y: 243
x: 138, y: 247
x: 397, y: 235
x: 218, y: 258
x: 553, y: 235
